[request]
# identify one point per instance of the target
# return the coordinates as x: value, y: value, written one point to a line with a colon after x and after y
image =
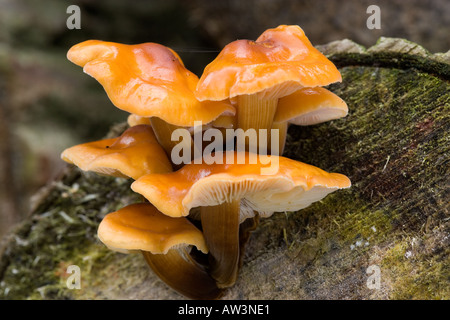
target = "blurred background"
x: 47, y: 104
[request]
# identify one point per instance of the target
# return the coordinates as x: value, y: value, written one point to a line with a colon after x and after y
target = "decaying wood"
x: 393, y: 145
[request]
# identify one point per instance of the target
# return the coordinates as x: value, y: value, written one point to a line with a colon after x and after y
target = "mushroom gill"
x: 228, y: 194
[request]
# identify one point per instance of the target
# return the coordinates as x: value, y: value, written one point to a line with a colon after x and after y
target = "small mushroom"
x: 228, y: 194
x: 134, y: 153
x: 134, y: 120
x: 255, y: 74
x: 305, y: 107
x: 164, y: 243
x: 148, y: 80
x: 222, y: 122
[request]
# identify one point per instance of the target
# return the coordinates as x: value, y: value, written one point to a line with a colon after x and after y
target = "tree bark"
x: 392, y: 225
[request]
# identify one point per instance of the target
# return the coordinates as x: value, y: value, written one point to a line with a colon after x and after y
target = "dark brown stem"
x: 179, y: 271
x: 220, y: 226
x: 163, y: 132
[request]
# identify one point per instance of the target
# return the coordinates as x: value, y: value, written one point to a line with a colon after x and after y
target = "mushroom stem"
x: 179, y: 271
x: 256, y: 113
x: 220, y: 226
x: 163, y: 132
x: 282, y: 134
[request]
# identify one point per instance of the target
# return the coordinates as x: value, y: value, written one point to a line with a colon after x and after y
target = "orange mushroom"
x: 134, y: 120
x: 255, y: 74
x: 229, y: 193
x: 133, y: 154
x: 307, y: 106
x: 142, y: 227
x: 148, y: 80
x: 164, y: 243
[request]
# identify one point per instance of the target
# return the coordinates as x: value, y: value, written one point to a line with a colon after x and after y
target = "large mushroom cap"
x: 142, y: 227
x: 147, y: 80
x: 279, y: 62
x: 295, y: 186
x: 309, y: 106
x: 133, y: 154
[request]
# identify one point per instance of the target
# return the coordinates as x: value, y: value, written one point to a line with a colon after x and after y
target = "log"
x: 387, y: 237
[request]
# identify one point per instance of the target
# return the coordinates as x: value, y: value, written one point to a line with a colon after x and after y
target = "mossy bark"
x: 393, y: 145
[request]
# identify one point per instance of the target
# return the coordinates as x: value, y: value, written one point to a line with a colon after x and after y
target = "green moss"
x: 61, y: 232
x: 414, y: 275
x: 393, y: 146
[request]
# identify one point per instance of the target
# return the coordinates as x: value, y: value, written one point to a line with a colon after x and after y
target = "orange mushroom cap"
x: 148, y: 80
x: 295, y: 186
x: 281, y: 61
x: 309, y: 106
x: 134, y: 120
x: 142, y: 227
x: 133, y: 154
x: 226, y: 122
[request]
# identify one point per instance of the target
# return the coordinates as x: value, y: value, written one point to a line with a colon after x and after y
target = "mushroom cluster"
x: 198, y: 214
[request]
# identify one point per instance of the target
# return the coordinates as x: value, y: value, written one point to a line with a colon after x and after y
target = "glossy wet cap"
x: 134, y: 153
x: 134, y: 120
x: 142, y: 227
x: 148, y: 80
x: 309, y: 106
x: 281, y: 61
x: 294, y: 186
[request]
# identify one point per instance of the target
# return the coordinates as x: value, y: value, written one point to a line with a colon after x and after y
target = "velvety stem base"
x: 179, y: 271
x: 256, y: 113
x: 220, y: 226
